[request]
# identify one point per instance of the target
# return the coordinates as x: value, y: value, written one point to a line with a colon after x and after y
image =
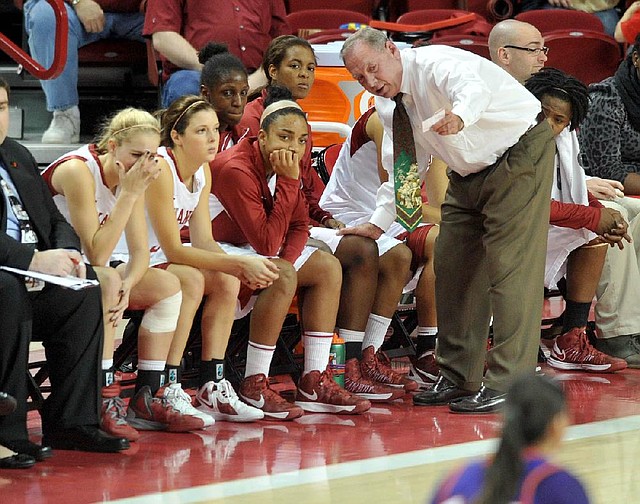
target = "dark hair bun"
x: 277, y: 93
x: 211, y: 49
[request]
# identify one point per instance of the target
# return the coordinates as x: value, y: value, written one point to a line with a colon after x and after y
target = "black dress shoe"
x: 26, y: 447
x: 85, y: 438
x: 18, y: 461
x: 7, y: 403
x: 485, y: 401
x: 443, y: 392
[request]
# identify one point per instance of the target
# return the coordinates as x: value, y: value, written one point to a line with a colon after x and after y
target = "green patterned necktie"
x: 405, y: 169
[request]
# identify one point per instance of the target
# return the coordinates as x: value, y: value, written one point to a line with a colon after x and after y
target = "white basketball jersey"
x: 105, y: 200
x: 185, y: 202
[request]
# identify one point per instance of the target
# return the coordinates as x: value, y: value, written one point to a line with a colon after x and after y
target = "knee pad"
x: 163, y: 316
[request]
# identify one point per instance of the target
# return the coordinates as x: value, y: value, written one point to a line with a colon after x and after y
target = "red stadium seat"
x: 326, y: 36
x: 477, y: 26
x: 476, y: 44
x: 481, y: 7
x: 590, y: 56
x: 547, y: 20
x: 363, y: 6
x: 311, y: 22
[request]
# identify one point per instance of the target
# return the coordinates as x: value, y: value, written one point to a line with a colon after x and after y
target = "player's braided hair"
x: 556, y: 83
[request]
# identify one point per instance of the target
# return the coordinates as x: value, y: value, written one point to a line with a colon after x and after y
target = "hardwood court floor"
x: 394, y: 453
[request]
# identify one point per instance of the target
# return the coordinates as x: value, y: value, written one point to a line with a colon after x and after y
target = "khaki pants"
x: 617, y: 308
x: 489, y: 259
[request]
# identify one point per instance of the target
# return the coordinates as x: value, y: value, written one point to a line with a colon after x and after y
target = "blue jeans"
x: 180, y: 83
x: 39, y: 23
x: 609, y: 18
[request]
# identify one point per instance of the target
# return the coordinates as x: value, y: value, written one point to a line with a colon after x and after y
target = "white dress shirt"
x: 496, y: 109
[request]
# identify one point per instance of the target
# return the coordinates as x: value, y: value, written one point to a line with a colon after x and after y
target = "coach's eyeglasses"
x: 532, y: 50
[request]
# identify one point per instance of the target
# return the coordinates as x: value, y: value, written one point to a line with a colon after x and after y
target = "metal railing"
x: 60, y: 52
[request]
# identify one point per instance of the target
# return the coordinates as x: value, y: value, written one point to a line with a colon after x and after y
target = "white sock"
x: 107, y: 364
x: 317, y: 346
x: 151, y: 365
x: 258, y: 359
x: 350, y: 336
x: 375, y: 332
x: 427, y: 331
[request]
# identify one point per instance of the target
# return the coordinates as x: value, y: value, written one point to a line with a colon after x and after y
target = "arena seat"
x: 590, y: 56
x: 366, y: 7
x: 476, y: 26
x: 422, y: 16
x: 476, y: 44
x: 481, y: 7
x: 548, y: 20
x: 327, y: 103
x: 313, y: 21
x: 326, y: 36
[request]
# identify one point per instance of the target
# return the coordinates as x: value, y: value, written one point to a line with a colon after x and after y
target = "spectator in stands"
x: 261, y: 210
x: 535, y: 420
x: 89, y: 21
x: 373, y: 277
x: 350, y: 195
x: 36, y: 237
x: 490, y: 249
x: 580, y: 225
x: 179, y: 29
x: 609, y: 138
x: 180, y: 196
x: 629, y: 25
x: 605, y: 10
x: 610, y: 134
x: 99, y: 188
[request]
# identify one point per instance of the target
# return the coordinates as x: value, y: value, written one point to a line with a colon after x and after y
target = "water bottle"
x: 336, y: 359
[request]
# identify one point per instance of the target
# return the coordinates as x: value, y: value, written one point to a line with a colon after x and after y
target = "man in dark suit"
x: 35, y: 236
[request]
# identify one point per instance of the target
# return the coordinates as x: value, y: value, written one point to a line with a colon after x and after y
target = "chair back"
x: 547, y: 20
x: 325, y: 161
x: 477, y: 26
x: 363, y: 6
x: 476, y: 44
x: 590, y: 56
x: 308, y: 22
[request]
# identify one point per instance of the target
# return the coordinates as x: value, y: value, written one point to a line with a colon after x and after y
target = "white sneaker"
x: 181, y: 401
x: 221, y: 402
x: 64, y: 127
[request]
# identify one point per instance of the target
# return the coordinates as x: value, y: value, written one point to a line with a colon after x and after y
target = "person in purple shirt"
x: 535, y: 419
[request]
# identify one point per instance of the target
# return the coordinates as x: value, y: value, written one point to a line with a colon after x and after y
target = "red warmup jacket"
x: 273, y: 226
x: 574, y: 216
x: 310, y: 179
